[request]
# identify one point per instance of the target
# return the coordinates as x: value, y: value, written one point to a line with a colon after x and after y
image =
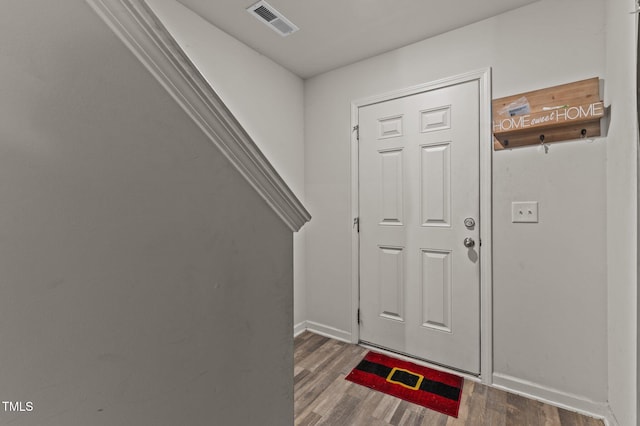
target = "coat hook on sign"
x: 546, y: 147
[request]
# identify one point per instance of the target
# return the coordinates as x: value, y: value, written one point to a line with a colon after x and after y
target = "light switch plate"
x: 524, y: 212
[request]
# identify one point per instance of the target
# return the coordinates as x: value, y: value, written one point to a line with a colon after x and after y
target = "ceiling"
x: 334, y: 33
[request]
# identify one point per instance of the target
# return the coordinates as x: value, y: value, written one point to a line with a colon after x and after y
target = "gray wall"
x: 622, y: 214
x: 550, y: 292
x: 143, y: 282
x: 267, y: 99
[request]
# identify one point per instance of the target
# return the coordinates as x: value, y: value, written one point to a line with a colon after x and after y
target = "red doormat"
x: 424, y: 386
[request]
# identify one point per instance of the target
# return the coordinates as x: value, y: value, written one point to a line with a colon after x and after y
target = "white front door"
x: 419, y: 174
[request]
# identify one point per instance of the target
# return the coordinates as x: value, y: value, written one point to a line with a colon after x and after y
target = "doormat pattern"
x: 420, y: 385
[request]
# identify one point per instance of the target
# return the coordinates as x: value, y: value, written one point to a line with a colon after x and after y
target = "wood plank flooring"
x: 323, y: 397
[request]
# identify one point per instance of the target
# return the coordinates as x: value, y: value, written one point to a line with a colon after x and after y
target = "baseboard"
x: 325, y: 330
x: 610, y: 418
x: 554, y: 397
x: 299, y: 328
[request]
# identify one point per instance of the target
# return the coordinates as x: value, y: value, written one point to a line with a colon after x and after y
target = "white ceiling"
x: 334, y: 33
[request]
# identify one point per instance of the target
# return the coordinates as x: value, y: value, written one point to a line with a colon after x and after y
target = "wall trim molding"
x: 327, y: 331
x: 555, y: 397
x: 141, y: 31
x: 610, y: 418
x: 299, y: 328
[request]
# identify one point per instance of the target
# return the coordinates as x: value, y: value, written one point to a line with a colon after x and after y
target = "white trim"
x: 486, y: 227
x: 555, y: 397
x: 140, y: 30
x: 299, y: 328
x: 355, y: 238
x: 483, y: 76
x: 331, y: 332
x: 610, y: 418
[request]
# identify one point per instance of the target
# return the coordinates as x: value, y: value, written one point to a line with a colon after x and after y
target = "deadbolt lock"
x: 469, y: 222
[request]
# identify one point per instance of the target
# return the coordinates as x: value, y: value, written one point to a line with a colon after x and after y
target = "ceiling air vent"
x: 266, y: 14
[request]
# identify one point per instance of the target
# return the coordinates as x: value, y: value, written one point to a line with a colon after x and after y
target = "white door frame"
x: 483, y: 77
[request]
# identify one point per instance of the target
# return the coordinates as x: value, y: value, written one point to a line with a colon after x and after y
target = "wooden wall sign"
x: 559, y: 113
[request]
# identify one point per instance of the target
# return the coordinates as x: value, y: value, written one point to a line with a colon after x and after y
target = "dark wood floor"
x: 323, y: 397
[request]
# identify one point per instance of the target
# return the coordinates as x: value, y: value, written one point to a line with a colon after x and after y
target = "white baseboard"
x: 299, y: 328
x: 572, y: 402
x: 325, y: 330
x: 610, y: 418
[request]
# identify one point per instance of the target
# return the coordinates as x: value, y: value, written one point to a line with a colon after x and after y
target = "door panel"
x: 392, y: 188
x: 435, y: 184
x: 391, y: 267
x: 436, y: 290
x: 419, y: 180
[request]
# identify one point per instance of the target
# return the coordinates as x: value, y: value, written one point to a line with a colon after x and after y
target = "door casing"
x: 483, y: 77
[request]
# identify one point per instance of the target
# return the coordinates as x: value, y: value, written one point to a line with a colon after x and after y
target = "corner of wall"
x: 622, y: 212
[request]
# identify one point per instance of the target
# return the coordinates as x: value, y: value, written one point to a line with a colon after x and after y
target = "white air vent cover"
x: 266, y: 14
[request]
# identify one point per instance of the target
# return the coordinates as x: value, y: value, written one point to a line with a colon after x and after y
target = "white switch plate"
x: 524, y: 211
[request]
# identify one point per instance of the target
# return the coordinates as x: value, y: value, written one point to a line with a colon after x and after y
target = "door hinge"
x: 358, y: 315
x: 356, y: 129
x: 356, y: 224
